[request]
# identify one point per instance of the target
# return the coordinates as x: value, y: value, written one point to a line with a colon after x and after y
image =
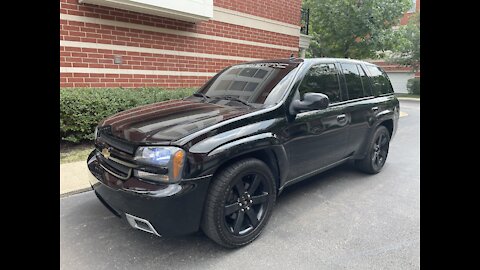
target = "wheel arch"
x: 387, y: 123
x: 266, y: 155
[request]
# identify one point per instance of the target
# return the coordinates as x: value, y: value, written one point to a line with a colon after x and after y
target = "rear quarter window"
x: 380, y: 83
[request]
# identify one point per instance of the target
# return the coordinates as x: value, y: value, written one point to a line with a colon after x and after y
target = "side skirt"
x: 317, y: 171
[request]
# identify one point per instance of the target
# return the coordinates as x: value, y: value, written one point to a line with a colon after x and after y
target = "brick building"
x: 181, y: 43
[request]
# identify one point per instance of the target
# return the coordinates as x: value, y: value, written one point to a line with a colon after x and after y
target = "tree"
x: 405, y: 43
x: 352, y: 28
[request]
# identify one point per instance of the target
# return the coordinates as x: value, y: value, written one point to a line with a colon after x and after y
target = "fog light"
x: 151, y: 176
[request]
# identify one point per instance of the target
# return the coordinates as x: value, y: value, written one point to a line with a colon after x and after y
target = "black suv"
x: 218, y: 159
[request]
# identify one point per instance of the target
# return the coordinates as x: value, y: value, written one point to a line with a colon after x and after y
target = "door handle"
x: 341, y: 118
x: 375, y: 108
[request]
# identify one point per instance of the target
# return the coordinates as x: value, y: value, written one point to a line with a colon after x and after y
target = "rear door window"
x: 353, y: 81
x: 367, y: 85
x: 380, y: 82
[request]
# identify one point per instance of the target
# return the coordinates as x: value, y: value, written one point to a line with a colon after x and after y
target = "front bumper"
x: 173, y: 209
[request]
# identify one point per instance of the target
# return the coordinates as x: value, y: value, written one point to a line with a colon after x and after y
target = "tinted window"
x: 322, y: 78
x: 250, y: 82
x: 367, y: 86
x: 353, y: 80
x: 381, y: 84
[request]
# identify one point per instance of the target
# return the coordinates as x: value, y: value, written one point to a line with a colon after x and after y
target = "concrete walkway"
x: 74, y: 178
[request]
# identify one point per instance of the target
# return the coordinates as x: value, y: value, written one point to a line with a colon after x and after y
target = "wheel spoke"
x: 383, y: 153
x: 238, y: 222
x: 374, y: 157
x: 383, y: 141
x: 259, y: 198
x: 240, y: 187
x: 229, y: 209
x: 379, y: 139
x: 256, y: 181
x: 252, y: 216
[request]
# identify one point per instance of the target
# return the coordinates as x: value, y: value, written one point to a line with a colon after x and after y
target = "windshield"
x: 250, y: 83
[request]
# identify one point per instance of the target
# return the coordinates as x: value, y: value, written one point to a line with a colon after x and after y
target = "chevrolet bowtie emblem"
x: 106, y: 153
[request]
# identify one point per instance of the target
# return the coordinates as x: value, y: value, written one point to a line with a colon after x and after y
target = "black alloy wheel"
x: 380, y: 151
x: 246, y: 204
x: 377, y: 152
x: 240, y: 201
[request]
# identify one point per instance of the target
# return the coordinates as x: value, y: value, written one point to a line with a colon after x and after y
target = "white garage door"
x: 399, y: 80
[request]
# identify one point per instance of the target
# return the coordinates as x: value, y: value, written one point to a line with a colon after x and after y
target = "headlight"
x: 171, y: 158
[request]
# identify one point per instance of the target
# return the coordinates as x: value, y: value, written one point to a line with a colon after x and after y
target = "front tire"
x: 239, y: 203
x: 377, y: 152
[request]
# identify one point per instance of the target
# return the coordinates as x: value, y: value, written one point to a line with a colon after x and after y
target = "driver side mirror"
x: 310, y: 102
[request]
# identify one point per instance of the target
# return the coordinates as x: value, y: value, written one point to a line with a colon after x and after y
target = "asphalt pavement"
x: 340, y: 219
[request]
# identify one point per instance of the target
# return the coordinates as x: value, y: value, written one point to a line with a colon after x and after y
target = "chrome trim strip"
x: 115, y: 174
x: 350, y: 101
x: 132, y: 221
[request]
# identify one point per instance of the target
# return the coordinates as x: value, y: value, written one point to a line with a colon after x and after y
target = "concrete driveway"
x: 341, y: 219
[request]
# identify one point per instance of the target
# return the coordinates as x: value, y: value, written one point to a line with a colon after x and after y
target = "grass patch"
x: 407, y: 95
x: 71, y: 153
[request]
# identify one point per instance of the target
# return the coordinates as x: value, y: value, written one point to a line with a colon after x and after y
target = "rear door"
x: 359, y: 106
x: 386, y: 104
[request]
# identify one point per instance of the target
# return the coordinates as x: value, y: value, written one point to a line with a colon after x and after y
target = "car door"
x: 316, y: 139
x: 360, y: 106
x: 381, y: 86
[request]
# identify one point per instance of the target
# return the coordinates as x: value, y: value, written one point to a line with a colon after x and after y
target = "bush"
x: 81, y: 109
x: 413, y: 86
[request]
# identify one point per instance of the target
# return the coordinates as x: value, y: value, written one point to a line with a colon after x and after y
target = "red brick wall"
x: 271, y: 9
x: 390, y: 66
x: 93, y: 33
x: 406, y: 16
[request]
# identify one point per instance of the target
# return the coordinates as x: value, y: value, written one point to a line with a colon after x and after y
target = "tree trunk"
x: 346, y: 50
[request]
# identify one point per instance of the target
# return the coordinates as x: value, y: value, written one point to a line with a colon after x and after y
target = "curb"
x: 73, y: 192
x: 408, y: 98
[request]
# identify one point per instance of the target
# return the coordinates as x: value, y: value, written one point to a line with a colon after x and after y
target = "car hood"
x: 170, y: 120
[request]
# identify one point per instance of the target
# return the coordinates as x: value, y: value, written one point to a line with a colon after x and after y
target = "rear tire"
x: 239, y: 203
x: 377, y: 152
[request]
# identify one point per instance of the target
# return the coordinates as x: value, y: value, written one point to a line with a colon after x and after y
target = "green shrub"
x: 413, y: 86
x: 81, y: 109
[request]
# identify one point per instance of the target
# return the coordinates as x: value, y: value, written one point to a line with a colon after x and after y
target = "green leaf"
x: 352, y: 28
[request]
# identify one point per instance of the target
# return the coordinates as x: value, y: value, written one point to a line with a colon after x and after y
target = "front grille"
x: 114, y: 168
x: 120, y: 162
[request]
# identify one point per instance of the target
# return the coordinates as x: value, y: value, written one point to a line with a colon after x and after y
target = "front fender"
x: 266, y: 142
x: 209, y: 144
x: 245, y: 145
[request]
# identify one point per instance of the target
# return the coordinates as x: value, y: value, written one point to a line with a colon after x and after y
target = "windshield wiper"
x: 199, y: 94
x: 235, y: 99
